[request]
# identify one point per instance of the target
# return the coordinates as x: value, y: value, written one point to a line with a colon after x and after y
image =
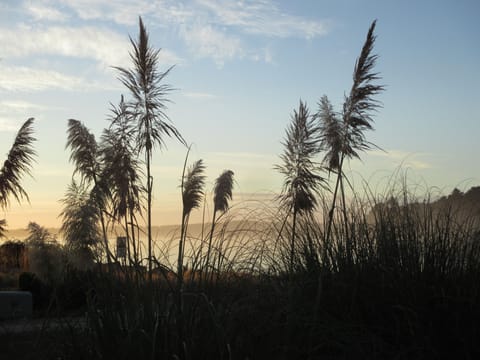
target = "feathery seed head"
x: 223, y: 191
x: 17, y: 164
x: 193, y: 184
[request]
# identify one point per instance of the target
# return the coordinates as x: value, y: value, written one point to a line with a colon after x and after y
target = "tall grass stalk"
x: 301, y: 182
x: 357, y: 112
x: 222, y: 195
x: 84, y: 155
x: 148, y: 108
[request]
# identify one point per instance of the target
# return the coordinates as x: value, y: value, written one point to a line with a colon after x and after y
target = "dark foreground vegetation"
x: 325, y: 273
x: 409, y: 290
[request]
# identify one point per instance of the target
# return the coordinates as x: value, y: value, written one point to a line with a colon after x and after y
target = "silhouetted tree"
x: 148, y: 106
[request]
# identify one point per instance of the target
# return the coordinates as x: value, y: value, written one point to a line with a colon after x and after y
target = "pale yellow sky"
x: 255, y: 179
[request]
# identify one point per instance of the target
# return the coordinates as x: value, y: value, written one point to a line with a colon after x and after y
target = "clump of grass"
x: 409, y: 290
x: 407, y: 274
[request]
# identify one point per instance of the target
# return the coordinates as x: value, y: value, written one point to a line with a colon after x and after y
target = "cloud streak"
x: 199, y: 95
x: 104, y: 46
x: 219, y: 26
x: 8, y: 124
x: 19, y: 106
x: 26, y: 79
x: 204, y: 41
x: 209, y: 28
x: 41, y: 12
x: 123, y: 12
x: 263, y: 17
x: 212, y: 29
x: 14, y: 112
x: 400, y: 157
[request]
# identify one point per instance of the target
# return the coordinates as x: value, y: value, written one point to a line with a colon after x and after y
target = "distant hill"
x: 462, y: 205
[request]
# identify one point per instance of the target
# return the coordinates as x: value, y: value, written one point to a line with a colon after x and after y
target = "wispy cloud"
x: 257, y: 196
x: 199, y: 95
x: 20, y: 78
x: 19, y: 106
x: 220, y: 30
x: 209, y: 28
x: 14, y: 112
x: 8, y: 124
x: 219, y: 26
x: 124, y: 12
x: 206, y: 41
x: 403, y: 158
x: 104, y: 46
x: 40, y: 11
x: 263, y: 17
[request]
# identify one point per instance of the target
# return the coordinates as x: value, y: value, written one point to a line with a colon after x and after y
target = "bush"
x: 41, y: 292
x: 8, y: 281
x: 47, y: 261
x: 74, y: 290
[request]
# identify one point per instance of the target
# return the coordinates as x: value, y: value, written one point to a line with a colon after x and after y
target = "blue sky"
x: 240, y: 69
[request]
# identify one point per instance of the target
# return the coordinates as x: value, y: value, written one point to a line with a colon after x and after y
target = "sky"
x: 240, y: 69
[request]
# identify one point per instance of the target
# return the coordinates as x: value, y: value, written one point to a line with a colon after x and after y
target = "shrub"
x: 41, y: 292
x: 8, y: 281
